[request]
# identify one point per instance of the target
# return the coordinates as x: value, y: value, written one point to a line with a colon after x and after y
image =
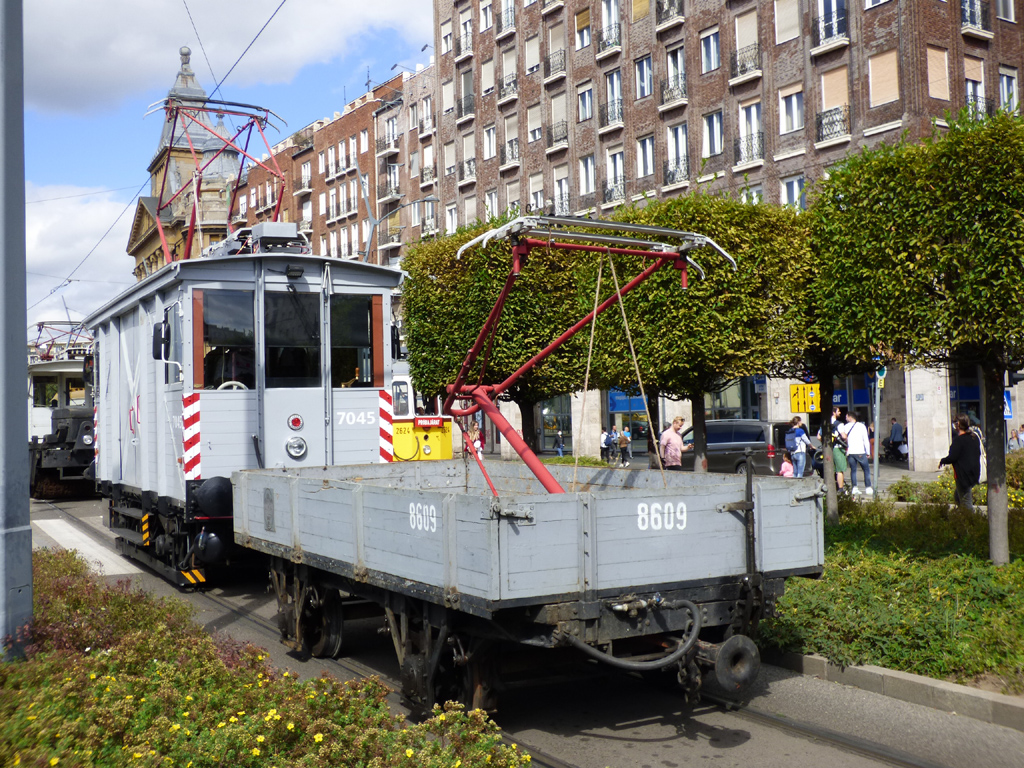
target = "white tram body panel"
x: 209, y: 366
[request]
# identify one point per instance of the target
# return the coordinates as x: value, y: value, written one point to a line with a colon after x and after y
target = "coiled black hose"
x: 644, y: 666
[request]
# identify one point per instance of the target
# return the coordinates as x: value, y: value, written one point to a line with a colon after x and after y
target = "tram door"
x: 293, y: 417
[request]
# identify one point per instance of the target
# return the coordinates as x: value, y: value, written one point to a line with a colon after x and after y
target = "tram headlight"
x: 87, y: 439
x: 296, y: 447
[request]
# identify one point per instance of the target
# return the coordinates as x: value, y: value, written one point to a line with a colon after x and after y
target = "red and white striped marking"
x: 387, y: 449
x: 95, y: 436
x: 190, y: 436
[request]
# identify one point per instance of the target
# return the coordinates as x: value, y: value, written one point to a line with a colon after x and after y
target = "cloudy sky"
x: 93, y: 68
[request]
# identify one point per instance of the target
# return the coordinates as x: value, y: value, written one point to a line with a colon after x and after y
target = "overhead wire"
x: 250, y: 45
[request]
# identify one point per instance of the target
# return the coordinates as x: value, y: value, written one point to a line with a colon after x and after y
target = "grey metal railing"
x: 509, y: 87
x: 831, y: 26
x: 387, y: 189
x: 464, y: 44
x: 427, y: 174
x: 676, y: 171
x: 506, y: 21
x: 673, y: 89
x: 746, y: 60
x: 980, y: 107
x: 832, y: 123
x: 610, y: 37
x: 561, y: 204
x: 615, y: 190
x: 426, y: 124
x: 610, y: 113
x: 667, y: 10
x: 467, y: 169
x: 749, y: 148
x: 558, y: 133
x: 466, y: 106
x: 510, y: 151
x: 554, y: 63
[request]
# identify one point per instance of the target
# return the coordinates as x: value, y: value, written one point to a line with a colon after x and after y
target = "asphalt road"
x: 603, y: 719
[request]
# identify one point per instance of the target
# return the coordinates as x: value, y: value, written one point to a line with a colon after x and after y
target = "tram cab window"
x: 229, y: 340
x: 351, y: 344
x: 74, y: 391
x: 292, y: 340
x: 44, y: 391
x: 400, y: 396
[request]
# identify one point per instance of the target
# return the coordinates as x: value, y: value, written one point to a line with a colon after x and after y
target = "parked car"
x: 728, y: 440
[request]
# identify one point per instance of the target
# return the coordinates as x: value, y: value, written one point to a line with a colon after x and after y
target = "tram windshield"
x: 293, y: 340
x: 351, y: 345
x: 229, y: 346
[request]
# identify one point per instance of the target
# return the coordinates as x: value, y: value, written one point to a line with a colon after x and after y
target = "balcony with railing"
x: 676, y: 172
x: 467, y: 171
x: 558, y: 136
x: 303, y: 186
x: 427, y: 123
x: 239, y: 217
x: 550, y: 6
x: 333, y: 213
x: 609, y: 40
x: 609, y: 116
x: 586, y: 201
x: 465, y: 108
x: 463, y: 46
x: 829, y: 32
x: 975, y: 20
x: 505, y: 23
x: 560, y: 204
x: 388, y: 191
x: 833, y: 125
x: 554, y: 66
x: 387, y: 145
x: 749, y: 149
x: 979, y: 107
x: 389, y: 238
x: 745, y: 64
x: 509, y: 155
x: 428, y: 225
x: 306, y: 225
x: 614, y: 191
x: 508, y: 89
x: 673, y: 93
x: 668, y: 14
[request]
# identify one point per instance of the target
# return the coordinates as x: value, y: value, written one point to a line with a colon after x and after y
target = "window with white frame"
x: 307, y: 173
x: 791, y: 108
x: 486, y: 17
x: 616, y: 168
x: 491, y: 203
x: 414, y: 164
x: 752, y: 195
x: 585, y: 101
x: 364, y: 140
x: 414, y: 214
x: 243, y: 205
x: 1004, y: 10
x: 352, y: 148
x: 676, y: 149
x: 512, y: 194
x: 974, y: 83
x: 321, y: 163
x: 364, y: 229
x: 583, y: 29
x: 1008, y: 98
x: 487, y: 77
x: 414, y: 115
x: 645, y: 156
x: 334, y: 244
x: 353, y: 193
x: 787, y: 20
x: 537, y: 192
x: 883, y: 78
x: 644, y: 77
x: 469, y: 209
x: 323, y: 247
x: 562, y: 189
x: 252, y: 198
x: 342, y: 199
x: 587, y: 172
x: 710, y: 54
x: 331, y: 164
x: 792, y: 192
x: 446, y: 36
x: 713, y: 136
x: 533, y: 123
x: 532, y: 60
x: 490, y: 142
x: 676, y: 67
x: 332, y: 210
x: 322, y: 208
x: 451, y: 219
x: 449, y: 158
x: 609, y: 12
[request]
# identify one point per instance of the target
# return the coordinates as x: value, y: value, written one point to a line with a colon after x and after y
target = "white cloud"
x: 88, y: 56
x: 58, y: 235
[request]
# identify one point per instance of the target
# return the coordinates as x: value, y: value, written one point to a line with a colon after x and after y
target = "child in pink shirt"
x: 787, y: 465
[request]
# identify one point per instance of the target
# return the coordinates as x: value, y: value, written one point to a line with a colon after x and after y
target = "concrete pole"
x: 15, y: 531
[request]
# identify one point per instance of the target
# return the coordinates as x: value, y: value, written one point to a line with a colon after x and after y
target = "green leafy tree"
x: 921, y: 248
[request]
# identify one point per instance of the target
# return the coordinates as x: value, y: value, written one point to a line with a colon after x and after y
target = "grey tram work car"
x: 273, y: 368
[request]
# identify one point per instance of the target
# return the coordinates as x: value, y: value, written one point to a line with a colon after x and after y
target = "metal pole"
x: 15, y: 531
x: 878, y: 426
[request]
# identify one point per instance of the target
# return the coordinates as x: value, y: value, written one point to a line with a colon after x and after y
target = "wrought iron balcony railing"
x: 615, y: 190
x: 833, y: 123
x: 427, y: 174
x: 979, y: 107
x: 506, y: 21
x: 467, y: 169
x: 388, y: 189
x: 426, y: 124
x: 388, y: 143
x: 508, y: 88
x: 466, y: 106
x: 610, y: 113
x: 510, y: 151
x: 673, y: 89
x: 831, y: 26
x: 669, y: 10
x: 746, y: 60
x: 558, y: 133
x: 586, y: 200
x: 554, y: 64
x: 561, y: 204
x: 610, y: 37
x: 676, y: 171
x: 749, y: 148
x: 974, y: 14
x: 390, y: 237
x: 464, y: 44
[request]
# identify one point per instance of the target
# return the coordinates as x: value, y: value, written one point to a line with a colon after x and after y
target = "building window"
x: 491, y: 204
x: 533, y: 123
x: 1004, y: 9
x: 490, y: 142
x: 512, y: 195
x: 451, y: 219
x: 243, y: 205
x: 352, y: 147
x: 322, y: 210
x: 487, y: 77
x: 585, y: 101
x: 537, y: 192
x: 644, y: 78
x: 616, y: 170
x: 532, y: 54
x: 446, y: 36
x: 752, y: 195
x: 791, y: 109
x: 883, y: 79
x: 712, y: 134
x: 710, y: 56
x: 787, y: 20
x: 321, y: 163
x: 974, y: 85
x: 873, y: 3
x: 793, y: 192
x: 364, y: 140
x: 582, y: 29
x: 587, y: 175
x: 938, y: 73
x: 645, y: 157
x: 485, y: 15
x: 1008, y: 89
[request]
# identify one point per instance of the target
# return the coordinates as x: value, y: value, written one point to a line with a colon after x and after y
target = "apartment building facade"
x: 571, y: 106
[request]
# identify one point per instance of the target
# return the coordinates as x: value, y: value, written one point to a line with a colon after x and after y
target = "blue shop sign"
x: 839, y: 398
x: 620, y: 402
x: 964, y: 393
x: 861, y: 397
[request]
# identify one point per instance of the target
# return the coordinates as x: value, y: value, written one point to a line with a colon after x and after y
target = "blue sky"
x: 93, y: 69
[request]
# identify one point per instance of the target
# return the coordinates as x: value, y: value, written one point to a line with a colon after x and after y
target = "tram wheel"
x: 322, y: 627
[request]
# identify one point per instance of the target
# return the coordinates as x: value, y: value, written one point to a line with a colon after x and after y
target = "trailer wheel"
x: 322, y: 626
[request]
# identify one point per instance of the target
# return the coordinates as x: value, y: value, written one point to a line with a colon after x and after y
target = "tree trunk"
x: 653, y: 430
x: 998, y: 515
x: 527, y: 413
x: 831, y: 497
x: 700, y: 433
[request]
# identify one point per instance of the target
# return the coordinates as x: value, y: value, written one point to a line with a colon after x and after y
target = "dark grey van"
x: 728, y: 440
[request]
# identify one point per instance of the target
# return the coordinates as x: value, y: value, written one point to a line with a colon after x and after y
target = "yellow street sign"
x: 804, y: 398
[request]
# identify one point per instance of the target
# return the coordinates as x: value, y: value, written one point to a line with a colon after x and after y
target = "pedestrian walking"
x: 857, y: 451
x: 629, y: 441
x: 797, y: 443
x: 672, y: 448
x: 787, y: 464
x: 965, y: 458
x: 613, y: 444
x: 623, y: 447
x: 604, y: 444
x: 560, y: 443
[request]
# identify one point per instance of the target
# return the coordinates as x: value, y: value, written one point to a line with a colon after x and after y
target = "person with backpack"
x: 613, y: 443
x: 797, y: 444
x: 604, y: 444
x: 965, y: 454
x: 623, y: 447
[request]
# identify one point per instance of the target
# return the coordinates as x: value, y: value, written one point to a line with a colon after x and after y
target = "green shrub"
x: 585, y: 461
x: 114, y: 677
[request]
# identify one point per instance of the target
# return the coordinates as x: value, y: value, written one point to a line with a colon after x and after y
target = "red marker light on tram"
x: 295, y: 421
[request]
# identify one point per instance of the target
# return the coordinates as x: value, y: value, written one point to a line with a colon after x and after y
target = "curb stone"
x: 988, y: 707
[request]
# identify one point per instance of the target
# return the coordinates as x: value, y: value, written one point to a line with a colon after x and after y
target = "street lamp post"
x: 374, y: 221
